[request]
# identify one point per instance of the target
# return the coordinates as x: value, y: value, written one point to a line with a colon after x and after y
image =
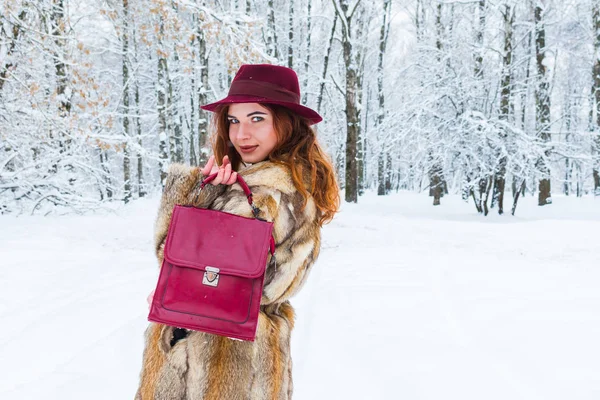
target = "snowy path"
x: 406, y: 301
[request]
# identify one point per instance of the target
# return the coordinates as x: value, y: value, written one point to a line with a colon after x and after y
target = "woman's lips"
x: 248, y: 149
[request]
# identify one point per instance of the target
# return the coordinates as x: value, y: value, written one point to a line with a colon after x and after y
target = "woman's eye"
x: 233, y: 121
x: 257, y: 119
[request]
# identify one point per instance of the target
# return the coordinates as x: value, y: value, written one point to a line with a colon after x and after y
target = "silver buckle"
x: 211, y: 276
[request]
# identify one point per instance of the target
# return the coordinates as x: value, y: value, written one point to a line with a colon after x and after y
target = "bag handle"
x: 244, y: 186
x: 248, y: 193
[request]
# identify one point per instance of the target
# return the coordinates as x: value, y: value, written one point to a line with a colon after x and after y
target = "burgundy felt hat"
x: 266, y: 83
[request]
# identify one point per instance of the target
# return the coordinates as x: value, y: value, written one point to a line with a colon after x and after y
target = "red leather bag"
x: 211, y: 278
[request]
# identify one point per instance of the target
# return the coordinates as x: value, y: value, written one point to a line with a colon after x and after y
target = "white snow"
x: 407, y: 301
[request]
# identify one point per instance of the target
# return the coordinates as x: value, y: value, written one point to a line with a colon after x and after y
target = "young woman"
x: 263, y: 133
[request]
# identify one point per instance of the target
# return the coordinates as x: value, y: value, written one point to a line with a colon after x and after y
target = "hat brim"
x: 299, y: 109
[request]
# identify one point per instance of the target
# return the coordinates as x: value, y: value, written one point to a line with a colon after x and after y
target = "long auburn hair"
x: 297, y: 147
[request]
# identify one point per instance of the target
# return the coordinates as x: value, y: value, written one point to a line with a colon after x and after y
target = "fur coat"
x: 209, y: 367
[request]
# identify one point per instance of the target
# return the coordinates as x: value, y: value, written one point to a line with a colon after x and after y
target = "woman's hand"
x: 225, y: 175
x: 150, y: 298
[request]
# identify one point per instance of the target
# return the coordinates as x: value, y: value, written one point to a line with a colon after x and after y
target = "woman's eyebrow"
x: 255, y: 113
x: 249, y: 115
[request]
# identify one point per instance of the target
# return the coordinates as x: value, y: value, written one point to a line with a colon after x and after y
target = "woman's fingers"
x: 225, y: 175
x: 150, y: 298
x: 232, y: 179
x: 206, y: 171
x: 219, y: 178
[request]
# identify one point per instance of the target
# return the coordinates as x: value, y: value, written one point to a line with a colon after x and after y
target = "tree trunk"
x: 517, y: 194
x: 486, y: 195
x: 542, y: 107
x: 420, y: 20
x: 596, y: 91
x: 362, y: 148
x: 291, y: 35
x: 59, y: 26
x: 436, y: 180
x: 479, y: 40
x: 271, y: 34
x: 140, y: 160
x: 471, y: 192
x: 571, y: 107
x: 360, y: 134
x: 203, y: 116
x: 435, y: 184
x: 16, y: 32
x: 520, y: 191
x: 192, y: 126
x: 138, y: 125
x: 567, y: 177
x: 104, y: 167
x: 326, y: 64
x: 352, y: 126
x: 477, y: 192
x: 192, y: 122
x: 481, y: 190
x: 389, y: 173
x: 382, y: 174
x: 505, y: 104
x: 126, y: 152
x: 308, y: 53
x: 174, y: 107
x: 580, y: 181
x: 351, y: 110
x: 163, y: 129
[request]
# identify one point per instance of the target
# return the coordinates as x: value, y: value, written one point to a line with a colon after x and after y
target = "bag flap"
x: 237, y: 245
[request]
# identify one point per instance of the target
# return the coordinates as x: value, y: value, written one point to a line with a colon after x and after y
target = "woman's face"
x: 251, y: 131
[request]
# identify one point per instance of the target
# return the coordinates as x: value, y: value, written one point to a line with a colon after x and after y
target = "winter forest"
x: 492, y: 99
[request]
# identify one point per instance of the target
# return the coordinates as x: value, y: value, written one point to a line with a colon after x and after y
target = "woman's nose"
x: 243, y: 131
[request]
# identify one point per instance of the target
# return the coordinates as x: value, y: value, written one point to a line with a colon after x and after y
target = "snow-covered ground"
x: 407, y: 301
